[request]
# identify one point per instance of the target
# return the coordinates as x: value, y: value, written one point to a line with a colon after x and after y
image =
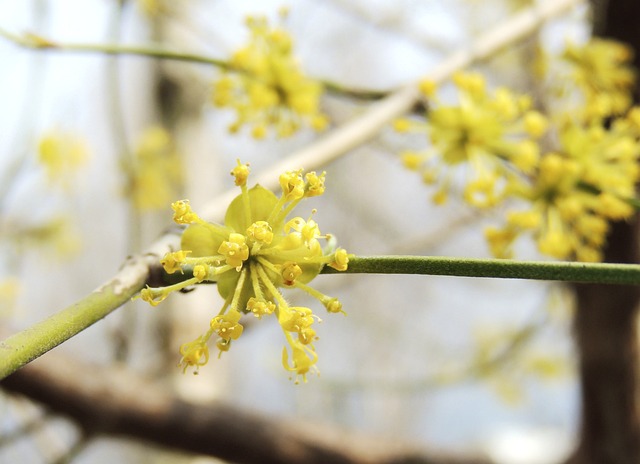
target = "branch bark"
x: 115, y: 401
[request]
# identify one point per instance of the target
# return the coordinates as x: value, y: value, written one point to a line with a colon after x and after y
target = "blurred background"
x: 480, y: 366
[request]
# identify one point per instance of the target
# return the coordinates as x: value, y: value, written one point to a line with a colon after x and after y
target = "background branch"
x: 116, y: 401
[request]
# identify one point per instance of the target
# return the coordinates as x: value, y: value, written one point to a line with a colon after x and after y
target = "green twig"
x: 25, y: 346
x: 563, y: 271
x: 37, y: 42
x: 602, y: 273
x: 18, y: 350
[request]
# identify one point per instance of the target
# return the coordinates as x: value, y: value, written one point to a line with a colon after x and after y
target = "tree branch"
x: 25, y: 346
x: 114, y: 401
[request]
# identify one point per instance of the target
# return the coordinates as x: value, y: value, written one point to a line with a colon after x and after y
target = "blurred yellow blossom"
x: 62, y: 154
x: 491, y: 133
x: 57, y: 234
x: 255, y: 253
x: 576, y: 191
x: 156, y: 171
x: 269, y: 91
x: 587, y: 174
x: 601, y: 69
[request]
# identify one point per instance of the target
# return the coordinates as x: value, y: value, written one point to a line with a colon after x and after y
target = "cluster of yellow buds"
x: 269, y: 90
x: 576, y: 182
x: 251, y: 257
x: 489, y: 132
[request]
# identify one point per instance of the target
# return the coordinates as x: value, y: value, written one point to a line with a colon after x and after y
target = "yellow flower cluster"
x: 251, y: 257
x: 61, y: 154
x: 491, y: 133
x: 602, y: 73
x: 269, y: 90
x: 579, y: 179
x: 156, y: 171
x: 576, y: 191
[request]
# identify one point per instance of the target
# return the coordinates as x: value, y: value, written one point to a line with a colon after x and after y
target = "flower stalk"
x: 601, y: 273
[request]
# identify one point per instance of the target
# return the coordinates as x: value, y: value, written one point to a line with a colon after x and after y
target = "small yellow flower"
x: 290, y: 272
x: 172, y: 262
x: 234, y: 250
x: 402, y: 125
x: 427, y: 87
x: 295, y: 319
x: 240, y: 173
x: 292, y: 185
x: 260, y: 308
x: 340, y: 260
x: 200, y: 272
x: 260, y: 232
x: 153, y: 296
x: 303, y: 360
x: 333, y: 305
x: 194, y: 354
x: 227, y: 325
x: 183, y: 213
x: 315, y: 184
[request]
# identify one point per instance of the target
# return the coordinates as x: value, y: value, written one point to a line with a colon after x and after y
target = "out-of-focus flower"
x: 490, y: 133
x: 156, y: 171
x: 61, y: 154
x: 269, y: 91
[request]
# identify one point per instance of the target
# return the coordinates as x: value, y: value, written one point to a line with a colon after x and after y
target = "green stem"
x: 37, y: 42
x: 25, y: 346
x: 603, y: 273
x: 40, y: 43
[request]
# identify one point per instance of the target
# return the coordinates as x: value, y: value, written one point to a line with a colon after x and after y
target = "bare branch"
x: 115, y: 401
